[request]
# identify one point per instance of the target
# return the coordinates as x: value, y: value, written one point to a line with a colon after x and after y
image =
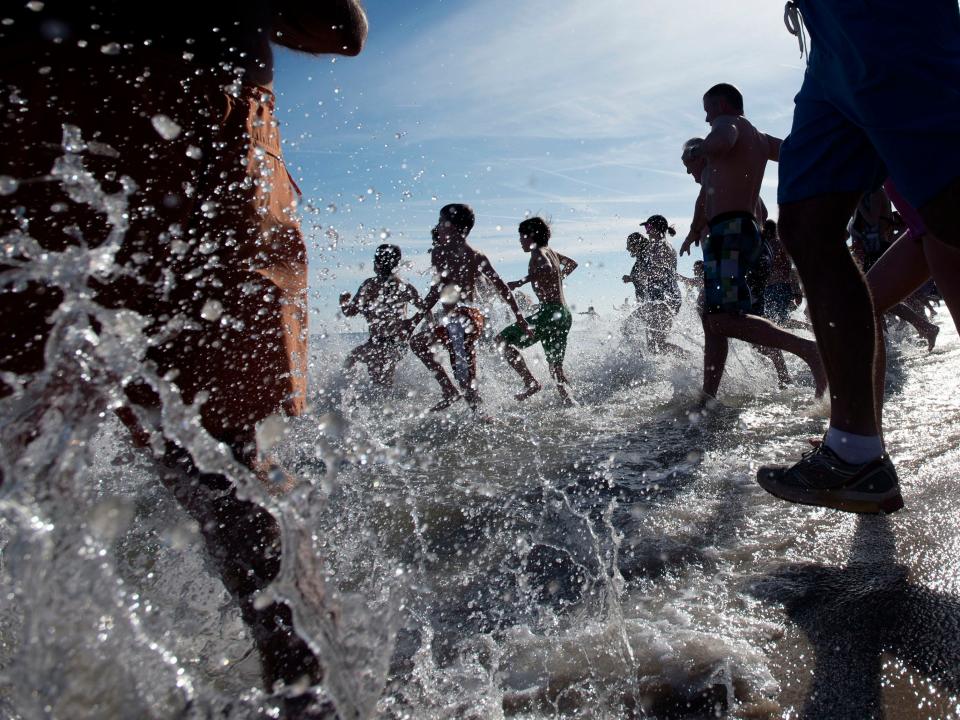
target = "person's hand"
x: 692, y: 239
x: 627, y: 278
x: 344, y: 298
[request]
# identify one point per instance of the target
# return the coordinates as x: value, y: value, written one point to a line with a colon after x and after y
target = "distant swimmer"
x: 782, y: 293
x: 551, y: 323
x: 459, y: 325
x: 858, y: 118
x: 654, y: 278
x: 383, y: 301
x: 730, y: 163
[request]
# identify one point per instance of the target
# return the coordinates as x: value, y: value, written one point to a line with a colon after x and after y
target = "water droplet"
x: 110, y: 48
x: 166, y: 127
x: 194, y: 152
x: 331, y: 208
x: 8, y: 185
x: 499, y: 228
x: 212, y: 310
x: 35, y: 5
x: 384, y: 234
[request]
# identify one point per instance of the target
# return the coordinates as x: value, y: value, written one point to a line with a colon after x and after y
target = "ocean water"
x: 615, y: 559
x: 610, y: 560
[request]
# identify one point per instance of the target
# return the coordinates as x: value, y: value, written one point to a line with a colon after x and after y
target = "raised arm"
x: 333, y: 26
x: 721, y: 139
x: 773, y: 148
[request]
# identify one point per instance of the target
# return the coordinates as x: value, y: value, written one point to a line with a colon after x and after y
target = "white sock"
x: 854, y: 449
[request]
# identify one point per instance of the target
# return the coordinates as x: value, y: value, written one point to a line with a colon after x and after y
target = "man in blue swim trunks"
x: 730, y: 163
x: 880, y: 97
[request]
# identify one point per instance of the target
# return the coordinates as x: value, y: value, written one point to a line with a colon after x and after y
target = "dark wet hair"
x: 387, y: 257
x: 727, y: 92
x: 459, y: 215
x: 660, y: 224
x: 536, y: 229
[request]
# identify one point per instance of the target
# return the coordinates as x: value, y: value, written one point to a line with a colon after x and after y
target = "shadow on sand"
x: 855, y: 614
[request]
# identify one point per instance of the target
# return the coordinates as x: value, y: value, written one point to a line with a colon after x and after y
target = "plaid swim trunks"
x: 729, y: 253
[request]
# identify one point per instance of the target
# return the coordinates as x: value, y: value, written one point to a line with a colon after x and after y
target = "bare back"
x: 732, y: 178
x: 461, y: 266
x: 546, y: 275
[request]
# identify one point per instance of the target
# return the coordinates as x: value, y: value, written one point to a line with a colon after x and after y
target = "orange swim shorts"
x: 213, y: 257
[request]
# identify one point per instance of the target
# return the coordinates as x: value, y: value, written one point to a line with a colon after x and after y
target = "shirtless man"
x: 457, y: 270
x: 383, y: 301
x: 551, y: 323
x: 731, y: 161
x: 177, y: 97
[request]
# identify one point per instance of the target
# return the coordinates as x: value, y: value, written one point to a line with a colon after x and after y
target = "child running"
x: 383, y: 301
x: 457, y: 272
x: 551, y: 323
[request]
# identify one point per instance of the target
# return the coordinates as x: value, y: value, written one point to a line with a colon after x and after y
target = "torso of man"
x: 458, y: 266
x: 383, y: 303
x: 732, y: 180
x: 546, y: 275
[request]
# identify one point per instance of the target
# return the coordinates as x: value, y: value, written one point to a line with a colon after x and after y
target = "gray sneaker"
x: 822, y: 478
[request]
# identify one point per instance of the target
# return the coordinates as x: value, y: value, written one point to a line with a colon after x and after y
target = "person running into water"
x: 871, y: 235
x: 654, y: 278
x: 730, y: 163
x: 551, y: 323
x: 783, y: 292
x: 176, y: 112
x: 383, y: 301
x: 457, y: 270
x: 863, y: 70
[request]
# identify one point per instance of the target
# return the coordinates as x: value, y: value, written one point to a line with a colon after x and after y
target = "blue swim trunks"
x: 881, y: 96
x: 730, y: 252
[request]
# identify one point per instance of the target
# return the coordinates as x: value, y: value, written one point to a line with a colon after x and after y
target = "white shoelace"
x: 793, y: 19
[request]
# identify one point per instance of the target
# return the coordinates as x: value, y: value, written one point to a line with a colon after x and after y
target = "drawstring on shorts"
x: 793, y: 19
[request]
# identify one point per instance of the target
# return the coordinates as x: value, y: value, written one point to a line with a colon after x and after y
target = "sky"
x: 572, y: 110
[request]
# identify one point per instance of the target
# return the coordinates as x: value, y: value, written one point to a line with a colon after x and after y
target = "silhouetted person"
x: 174, y: 105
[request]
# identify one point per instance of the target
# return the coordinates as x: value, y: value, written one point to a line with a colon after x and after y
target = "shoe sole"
x: 846, y: 501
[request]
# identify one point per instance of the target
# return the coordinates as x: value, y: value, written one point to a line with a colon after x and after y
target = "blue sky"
x: 569, y: 109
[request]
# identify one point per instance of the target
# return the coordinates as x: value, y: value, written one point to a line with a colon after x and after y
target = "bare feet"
x: 531, y: 390
x: 930, y: 335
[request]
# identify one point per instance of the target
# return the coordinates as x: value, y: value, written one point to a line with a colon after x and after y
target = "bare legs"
x: 718, y: 327
x: 902, y: 269
x: 813, y: 232
x: 531, y: 385
x: 425, y: 346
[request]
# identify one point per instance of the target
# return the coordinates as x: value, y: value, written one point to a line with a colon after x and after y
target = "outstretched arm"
x: 333, y: 26
x: 503, y: 290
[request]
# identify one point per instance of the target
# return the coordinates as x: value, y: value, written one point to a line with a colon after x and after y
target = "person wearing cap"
x: 654, y: 278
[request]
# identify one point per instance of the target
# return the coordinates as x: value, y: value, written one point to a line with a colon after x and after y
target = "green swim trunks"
x: 550, y: 325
